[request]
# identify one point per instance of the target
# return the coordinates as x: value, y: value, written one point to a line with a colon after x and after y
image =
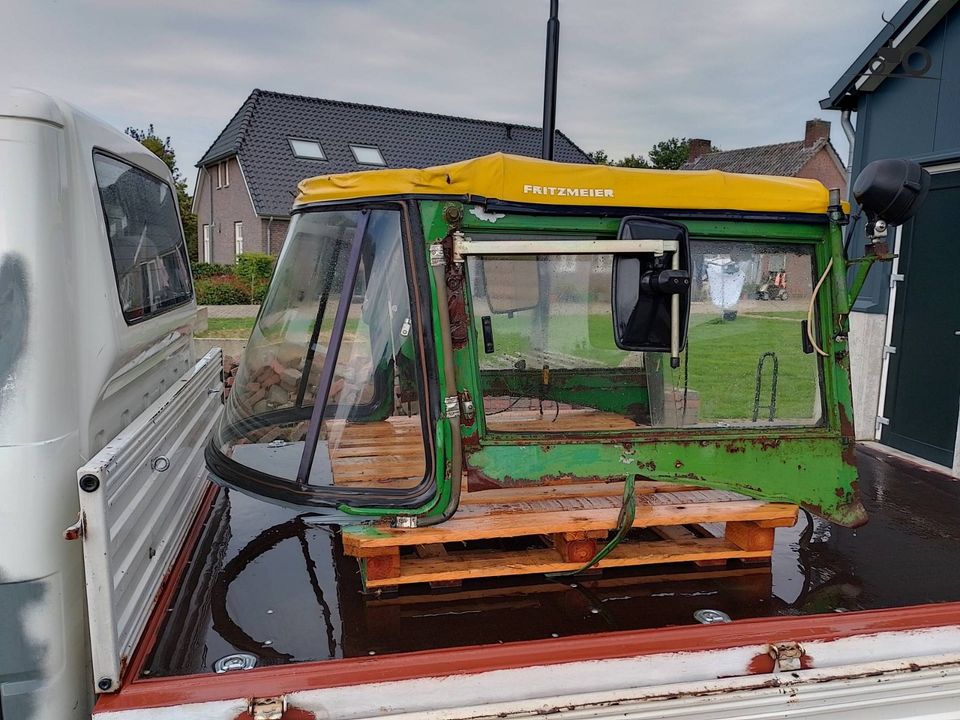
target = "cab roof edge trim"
x: 531, y: 181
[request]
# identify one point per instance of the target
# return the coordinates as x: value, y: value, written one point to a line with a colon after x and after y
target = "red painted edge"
x: 168, y: 587
x: 270, y: 681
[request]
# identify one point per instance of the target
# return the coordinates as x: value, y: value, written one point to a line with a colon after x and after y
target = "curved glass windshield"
x: 335, y: 330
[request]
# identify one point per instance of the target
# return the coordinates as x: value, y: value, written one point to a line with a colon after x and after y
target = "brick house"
x: 247, y: 179
x: 814, y: 158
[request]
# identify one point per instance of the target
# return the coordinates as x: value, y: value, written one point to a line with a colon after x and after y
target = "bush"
x: 222, y: 290
x: 259, y: 291
x: 202, y: 270
x: 254, y: 267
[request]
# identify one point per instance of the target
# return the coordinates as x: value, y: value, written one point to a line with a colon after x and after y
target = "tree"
x: 162, y: 148
x: 633, y: 161
x: 670, y: 154
x: 600, y: 157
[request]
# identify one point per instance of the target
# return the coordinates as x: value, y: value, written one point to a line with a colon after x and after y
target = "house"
x: 247, y: 179
x: 813, y: 157
x: 904, y: 89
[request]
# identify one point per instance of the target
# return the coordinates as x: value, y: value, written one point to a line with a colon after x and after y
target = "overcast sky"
x: 738, y: 72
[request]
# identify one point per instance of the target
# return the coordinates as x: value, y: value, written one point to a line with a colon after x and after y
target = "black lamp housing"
x: 891, y: 190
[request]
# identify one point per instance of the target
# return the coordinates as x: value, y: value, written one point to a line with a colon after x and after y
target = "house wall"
x: 274, y: 232
x: 230, y: 205
x: 823, y: 167
x: 903, y: 117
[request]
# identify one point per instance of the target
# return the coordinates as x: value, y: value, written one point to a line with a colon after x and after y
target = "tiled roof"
x: 258, y: 134
x: 784, y: 159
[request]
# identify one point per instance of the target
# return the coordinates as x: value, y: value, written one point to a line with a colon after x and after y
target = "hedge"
x: 222, y: 290
x: 254, y: 267
x: 203, y: 270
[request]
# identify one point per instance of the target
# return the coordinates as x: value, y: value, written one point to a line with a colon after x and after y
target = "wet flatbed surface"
x: 263, y: 582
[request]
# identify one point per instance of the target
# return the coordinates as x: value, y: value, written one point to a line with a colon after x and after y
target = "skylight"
x: 309, y: 149
x: 366, y: 155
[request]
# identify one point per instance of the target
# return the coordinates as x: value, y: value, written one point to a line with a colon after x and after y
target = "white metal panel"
x: 137, y: 498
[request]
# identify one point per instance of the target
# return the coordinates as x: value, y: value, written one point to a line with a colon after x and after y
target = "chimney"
x: 816, y: 129
x: 697, y: 147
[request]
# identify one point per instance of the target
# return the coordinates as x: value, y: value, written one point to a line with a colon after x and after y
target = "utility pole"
x: 550, y: 81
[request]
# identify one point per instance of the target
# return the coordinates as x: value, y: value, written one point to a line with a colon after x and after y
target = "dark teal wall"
x: 914, y: 118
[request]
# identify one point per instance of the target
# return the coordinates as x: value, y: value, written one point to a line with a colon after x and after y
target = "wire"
x: 811, y: 336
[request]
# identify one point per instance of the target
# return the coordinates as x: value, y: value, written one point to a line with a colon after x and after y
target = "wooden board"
x: 565, y: 526
x: 476, y: 564
x: 516, y: 524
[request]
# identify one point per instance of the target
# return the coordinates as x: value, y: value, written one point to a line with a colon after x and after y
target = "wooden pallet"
x: 573, y: 522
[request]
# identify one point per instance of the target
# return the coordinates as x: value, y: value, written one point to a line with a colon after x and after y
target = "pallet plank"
x: 475, y: 565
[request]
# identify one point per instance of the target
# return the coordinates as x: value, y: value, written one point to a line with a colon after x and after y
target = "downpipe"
x: 851, y: 134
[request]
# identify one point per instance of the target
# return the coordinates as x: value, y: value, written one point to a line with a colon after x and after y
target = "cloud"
x: 632, y: 72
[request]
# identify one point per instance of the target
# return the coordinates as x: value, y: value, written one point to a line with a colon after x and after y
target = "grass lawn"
x: 228, y: 328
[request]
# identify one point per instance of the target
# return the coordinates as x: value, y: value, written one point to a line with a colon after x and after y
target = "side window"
x: 146, y: 242
x: 549, y: 363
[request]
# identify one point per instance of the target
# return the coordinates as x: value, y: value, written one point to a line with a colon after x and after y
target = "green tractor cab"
x: 511, y: 322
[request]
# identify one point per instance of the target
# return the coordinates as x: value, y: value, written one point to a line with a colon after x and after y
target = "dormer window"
x: 367, y: 155
x: 308, y: 149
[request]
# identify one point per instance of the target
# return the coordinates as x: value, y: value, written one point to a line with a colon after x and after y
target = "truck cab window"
x: 550, y: 362
x: 149, y: 255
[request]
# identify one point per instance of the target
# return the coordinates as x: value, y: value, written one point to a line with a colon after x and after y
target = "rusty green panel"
x: 813, y: 467
x: 619, y: 390
x: 809, y: 470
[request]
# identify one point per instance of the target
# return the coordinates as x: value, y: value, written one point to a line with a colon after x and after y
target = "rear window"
x: 146, y: 242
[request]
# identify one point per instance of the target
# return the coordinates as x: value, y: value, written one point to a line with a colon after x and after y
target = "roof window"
x: 309, y: 149
x: 367, y: 155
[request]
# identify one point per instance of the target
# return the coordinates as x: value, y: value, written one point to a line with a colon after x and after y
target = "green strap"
x: 628, y: 511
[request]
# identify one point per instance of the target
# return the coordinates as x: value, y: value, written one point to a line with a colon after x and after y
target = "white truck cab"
x: 96, y: 313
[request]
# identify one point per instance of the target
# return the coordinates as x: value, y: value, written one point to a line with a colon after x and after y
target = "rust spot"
x: 456, y: 303
x: 760, y: 664
x: 678, y: 464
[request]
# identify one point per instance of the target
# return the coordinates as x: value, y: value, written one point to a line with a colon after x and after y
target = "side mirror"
x: 513, y: 284
x: 651, y: 290
x: 891, y: 190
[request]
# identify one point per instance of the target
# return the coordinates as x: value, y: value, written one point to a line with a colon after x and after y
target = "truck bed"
x: 261, y: 581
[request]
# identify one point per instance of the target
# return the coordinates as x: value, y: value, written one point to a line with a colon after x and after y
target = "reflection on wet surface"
x: 262, y: 581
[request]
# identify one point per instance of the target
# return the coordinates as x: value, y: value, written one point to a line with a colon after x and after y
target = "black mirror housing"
x: 651, y: 293
x: 891, y: 190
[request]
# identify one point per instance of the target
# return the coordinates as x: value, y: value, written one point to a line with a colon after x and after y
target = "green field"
x: 228, y: 328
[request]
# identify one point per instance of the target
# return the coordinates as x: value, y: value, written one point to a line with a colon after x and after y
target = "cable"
x: 811, y: 336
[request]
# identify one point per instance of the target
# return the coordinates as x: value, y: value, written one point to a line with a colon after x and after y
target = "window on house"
x: 207, y: 244
x: 226, y: 173
x: 238, y: 237
x: 219, y: 175
x: 309, y: 149
x: 367, y: 155
x: 146, y: 242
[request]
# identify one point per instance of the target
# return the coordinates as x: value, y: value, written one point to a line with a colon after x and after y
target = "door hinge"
x: 889, y: 350
x: 786, y: 656
x: 270, y: 708
x: 895, y: 278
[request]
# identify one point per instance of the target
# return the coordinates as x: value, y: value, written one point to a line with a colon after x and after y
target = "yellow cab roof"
x: 517, y: 179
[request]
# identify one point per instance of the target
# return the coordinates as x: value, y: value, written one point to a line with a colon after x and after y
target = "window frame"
x: 207, y: 242
x: 489, y: 436
x: 421, y: 317
x: 191, y: 296
x: 226, y: 173
x: 358, y: 146
x: 238, y: 238
x: 219, y: 176
x: 323, y: 153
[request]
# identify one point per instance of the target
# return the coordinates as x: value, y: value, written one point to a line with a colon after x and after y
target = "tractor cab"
x: 509, y: 322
